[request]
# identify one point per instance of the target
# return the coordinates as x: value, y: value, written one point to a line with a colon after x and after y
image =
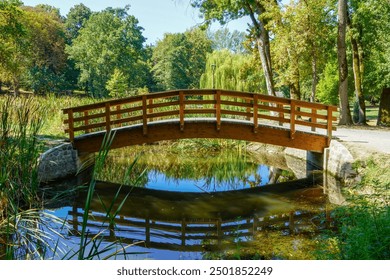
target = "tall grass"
x: 21, y: 121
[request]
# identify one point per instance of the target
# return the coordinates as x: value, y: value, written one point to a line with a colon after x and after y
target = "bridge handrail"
x: 185, y: 104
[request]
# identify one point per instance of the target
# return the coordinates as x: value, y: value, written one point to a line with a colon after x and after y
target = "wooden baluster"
x: 118, y: 115
x: 248, y: 109
x: 181, y: 110
x: 218, y: 109
x: 86, y: 122
x: 313, y: 119
x: 71, y: 125
x: 280, y: 114
x: 144, y: 114
x: 292, y: 119
x: 330, y: 124
x: 108, y: 116
x: 255, y: 112
x: 150, y: 108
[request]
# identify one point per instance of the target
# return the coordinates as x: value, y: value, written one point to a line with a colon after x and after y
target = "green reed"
x: 21, y: 121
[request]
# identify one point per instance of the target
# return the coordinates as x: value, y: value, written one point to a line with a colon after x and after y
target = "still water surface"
x: 197, y: 206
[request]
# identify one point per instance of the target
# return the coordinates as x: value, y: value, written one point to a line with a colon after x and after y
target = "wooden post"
x: 181, y: 110
x: 248, y: 109
x: 313, y: 118
x: 292, y: 119
x: 150, y: 111
x: 255, y: 113
x: 71, y: 125
x: 218, y: 109
x: 108, y: 117
x: 329, y: 123
x: 86, y: 122
x: 118, y: 115
x: 280, y: 114
x: 144, y: 115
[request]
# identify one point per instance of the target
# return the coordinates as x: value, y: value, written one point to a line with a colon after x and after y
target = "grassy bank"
x: 363, y: 226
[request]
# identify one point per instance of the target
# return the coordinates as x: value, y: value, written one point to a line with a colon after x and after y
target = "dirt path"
x: 363, y: 141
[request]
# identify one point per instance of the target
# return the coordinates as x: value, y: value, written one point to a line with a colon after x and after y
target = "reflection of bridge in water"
x: 195, y: 222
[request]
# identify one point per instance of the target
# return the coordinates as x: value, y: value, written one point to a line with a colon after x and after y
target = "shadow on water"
x: 169, y: 224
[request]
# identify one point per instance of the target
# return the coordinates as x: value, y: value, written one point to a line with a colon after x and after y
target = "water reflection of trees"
x: 224, y: 169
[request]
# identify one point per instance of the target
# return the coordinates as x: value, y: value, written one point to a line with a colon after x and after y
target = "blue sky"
x: 155, y: 16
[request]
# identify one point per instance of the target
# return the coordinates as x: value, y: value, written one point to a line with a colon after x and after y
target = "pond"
x: 202, y: 204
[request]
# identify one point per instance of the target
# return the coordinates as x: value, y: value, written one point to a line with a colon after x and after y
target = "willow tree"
x: 231, y: 71
x: 227, y: 10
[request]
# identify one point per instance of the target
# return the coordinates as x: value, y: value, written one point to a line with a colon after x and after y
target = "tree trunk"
x: 358, y: 83
x: 263, y: 45
x: 384, y: 108
x: 295, y: 88
x: 357, y: 66
x: 265, y: 63
x: 345, y: 112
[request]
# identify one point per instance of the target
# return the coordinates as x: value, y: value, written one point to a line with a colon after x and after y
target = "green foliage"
x: 371, y: 22
x: 230, y: 71
x: 110, y: 40
x: 179, y: 59
x: 76, y: 19
x: 43, y: 80
x: 328, y: 85
x: 13, y: 47
x: 117, y: 85
x: 300, y: 49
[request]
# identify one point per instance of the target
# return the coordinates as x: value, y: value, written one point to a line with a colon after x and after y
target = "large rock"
x: 57, y: 163
x: 338, y: 161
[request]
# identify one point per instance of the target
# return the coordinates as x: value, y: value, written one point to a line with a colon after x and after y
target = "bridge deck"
x: 202, y: 114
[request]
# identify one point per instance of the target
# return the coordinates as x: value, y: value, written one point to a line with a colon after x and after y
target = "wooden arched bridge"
x: 184, y: 114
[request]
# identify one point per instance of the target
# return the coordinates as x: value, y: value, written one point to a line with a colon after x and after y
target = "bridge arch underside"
x: 229, y: 129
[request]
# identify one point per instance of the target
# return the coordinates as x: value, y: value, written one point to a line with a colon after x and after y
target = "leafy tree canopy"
x: 110, y: 40
x: 179, y: 59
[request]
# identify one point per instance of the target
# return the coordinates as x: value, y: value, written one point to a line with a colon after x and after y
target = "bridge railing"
x: 182, y: 105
